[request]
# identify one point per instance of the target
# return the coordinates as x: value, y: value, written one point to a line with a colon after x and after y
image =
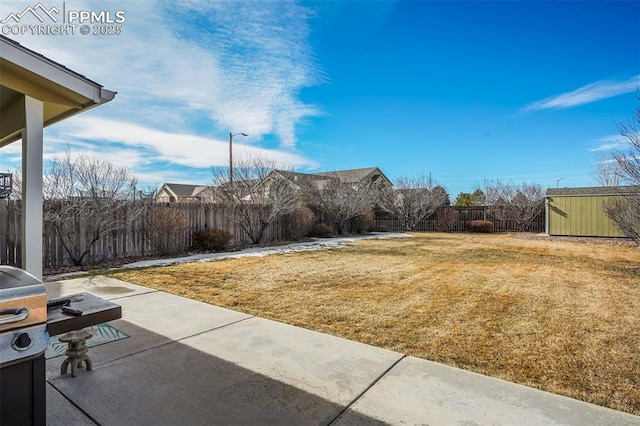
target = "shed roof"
x: 592, y: 190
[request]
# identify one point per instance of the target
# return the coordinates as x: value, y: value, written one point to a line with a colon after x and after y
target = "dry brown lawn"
x: 555, y: 315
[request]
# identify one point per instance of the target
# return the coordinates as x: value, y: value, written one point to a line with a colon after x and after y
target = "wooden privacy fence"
x: 125, y: 242
x: 464, y: 215
x: 130, y: 240
x: 10, y: 233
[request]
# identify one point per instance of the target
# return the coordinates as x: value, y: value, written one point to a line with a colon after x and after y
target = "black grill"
x: 23, y: 341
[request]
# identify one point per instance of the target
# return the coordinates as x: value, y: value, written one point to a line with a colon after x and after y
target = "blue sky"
x: 464, y: 91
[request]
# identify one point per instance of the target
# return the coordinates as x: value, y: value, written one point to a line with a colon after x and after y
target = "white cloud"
x: 265, y: 60
x: 586, y: 94
x: 607, y: 143
x: 184, y: 70
x: 180, y: 148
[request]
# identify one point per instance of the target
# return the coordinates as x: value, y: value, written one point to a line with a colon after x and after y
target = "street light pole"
x: 558, y: 182
x: 231, y: 135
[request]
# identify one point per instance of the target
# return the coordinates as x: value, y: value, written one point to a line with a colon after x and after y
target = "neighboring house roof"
x: 592, y: 190
x: 293, y: 176
x: 356, y: 175
x: 298, y: 178
x: 352, y: 176
x: 369, y: 174
x: 182, y: 190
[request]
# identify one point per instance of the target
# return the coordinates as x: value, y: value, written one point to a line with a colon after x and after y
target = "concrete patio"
x: 190, y: 363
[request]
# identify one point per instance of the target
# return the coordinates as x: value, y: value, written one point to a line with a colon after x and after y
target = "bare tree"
x: 625, y: 210
x: 162, y: 228
x: 607, y: 172
x: 147, y: 192
x: 257, y: 196
x: 521, y: 203
x: 412, y: 200
x: 628, y: 160
x: 85, y: 199
x: 337, y: 202
x: 16, y: 184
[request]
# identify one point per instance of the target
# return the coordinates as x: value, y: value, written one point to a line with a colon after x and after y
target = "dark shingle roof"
x: 592, y: 190
x: 298, y: 177
x: 350, y: 176
x: 185, y: 190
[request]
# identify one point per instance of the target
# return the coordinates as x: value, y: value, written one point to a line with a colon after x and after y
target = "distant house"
x: 580, y: 212
x: 182, y: 193
x: 297, y: 179
x: 369, y: 175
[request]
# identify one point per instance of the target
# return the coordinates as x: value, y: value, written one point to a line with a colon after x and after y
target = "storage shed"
x: 579, y: 212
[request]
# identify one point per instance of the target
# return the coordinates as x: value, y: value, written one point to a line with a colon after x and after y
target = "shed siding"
x: 581, y: 216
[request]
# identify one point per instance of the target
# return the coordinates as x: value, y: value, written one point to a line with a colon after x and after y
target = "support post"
x: 32, y: 217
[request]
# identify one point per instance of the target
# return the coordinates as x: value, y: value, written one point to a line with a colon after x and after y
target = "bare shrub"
x: 482, y: 226
x: 321, y: 230
x: 297, y: 224
x: 162, y: 228
x: 378, y: 228
x: 211, y: 239
x: 446, y: 219
x: 361, y: 223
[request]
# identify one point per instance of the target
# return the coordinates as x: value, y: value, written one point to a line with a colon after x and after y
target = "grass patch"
x: 559, y: 316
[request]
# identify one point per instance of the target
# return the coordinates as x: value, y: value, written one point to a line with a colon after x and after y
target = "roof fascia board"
x: 28, y: 87
x: 168, y: 190
x: 33, y: 63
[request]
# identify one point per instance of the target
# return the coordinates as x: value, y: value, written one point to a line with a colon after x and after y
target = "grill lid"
x: 12, y: 279
x: 23, y: 299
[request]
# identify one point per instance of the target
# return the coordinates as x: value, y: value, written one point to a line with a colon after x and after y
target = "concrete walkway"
x: 190, y: 363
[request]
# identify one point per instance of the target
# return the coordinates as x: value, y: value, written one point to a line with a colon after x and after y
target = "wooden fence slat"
x: 130, y: 239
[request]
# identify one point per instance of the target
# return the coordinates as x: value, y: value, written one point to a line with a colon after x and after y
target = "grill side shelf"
x: 94, y: 311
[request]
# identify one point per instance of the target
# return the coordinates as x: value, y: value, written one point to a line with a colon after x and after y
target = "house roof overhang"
x: 63, y: 92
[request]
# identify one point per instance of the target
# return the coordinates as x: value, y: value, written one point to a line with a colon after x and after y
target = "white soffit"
x: 24, y: 72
